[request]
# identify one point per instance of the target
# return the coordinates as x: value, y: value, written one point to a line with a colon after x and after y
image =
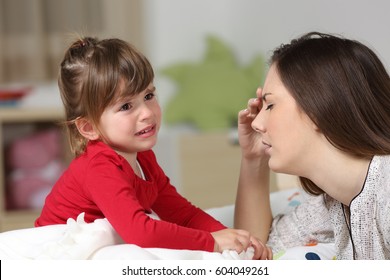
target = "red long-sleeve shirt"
x: 102, y: 184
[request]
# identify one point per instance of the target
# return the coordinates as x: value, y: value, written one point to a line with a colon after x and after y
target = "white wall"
x: 174, y: 30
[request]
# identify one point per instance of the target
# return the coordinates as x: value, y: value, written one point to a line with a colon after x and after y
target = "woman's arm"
x: 252, y: 209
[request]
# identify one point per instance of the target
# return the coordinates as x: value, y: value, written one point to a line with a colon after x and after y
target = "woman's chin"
x: 275, y: 167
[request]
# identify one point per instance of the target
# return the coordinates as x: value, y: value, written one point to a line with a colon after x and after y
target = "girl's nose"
x: 145, y: 111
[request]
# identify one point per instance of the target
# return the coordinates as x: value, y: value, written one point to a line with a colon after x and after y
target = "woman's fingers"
x: 254, y: 106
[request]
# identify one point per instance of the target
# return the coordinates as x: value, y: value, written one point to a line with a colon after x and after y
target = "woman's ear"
x: 87, y: 129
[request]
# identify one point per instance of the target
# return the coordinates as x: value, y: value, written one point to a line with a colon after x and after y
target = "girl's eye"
x: 269, y: 107
x: 125, y: 107
x: 149, y: 96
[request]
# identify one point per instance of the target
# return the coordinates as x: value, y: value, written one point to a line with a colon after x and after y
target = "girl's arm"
x: 173, y: 207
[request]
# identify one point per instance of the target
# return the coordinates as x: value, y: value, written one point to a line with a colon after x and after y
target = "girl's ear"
x: 87, y: 129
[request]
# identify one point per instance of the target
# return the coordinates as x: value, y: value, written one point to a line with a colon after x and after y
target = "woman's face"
x: 287, y: 132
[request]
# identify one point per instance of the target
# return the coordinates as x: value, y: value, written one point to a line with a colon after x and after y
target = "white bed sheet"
x: 78, y: 240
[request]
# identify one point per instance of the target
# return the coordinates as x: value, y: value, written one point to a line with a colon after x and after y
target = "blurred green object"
x: 210, y: 93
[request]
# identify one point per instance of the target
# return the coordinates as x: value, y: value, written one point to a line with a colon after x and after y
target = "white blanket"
x: 78, y: 240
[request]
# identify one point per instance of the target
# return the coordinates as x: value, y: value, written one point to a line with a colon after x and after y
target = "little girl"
x: 113, y: 117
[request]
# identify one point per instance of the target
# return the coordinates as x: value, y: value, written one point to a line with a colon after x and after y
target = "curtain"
x: 35, y: 33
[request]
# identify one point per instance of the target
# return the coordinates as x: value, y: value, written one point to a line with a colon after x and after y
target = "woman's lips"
x: 267, y: 147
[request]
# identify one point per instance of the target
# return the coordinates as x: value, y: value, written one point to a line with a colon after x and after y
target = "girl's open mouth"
x: 146, y: 130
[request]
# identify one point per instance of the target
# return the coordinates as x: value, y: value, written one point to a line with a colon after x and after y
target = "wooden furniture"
x: 209, y: 169
x: 16, y: 122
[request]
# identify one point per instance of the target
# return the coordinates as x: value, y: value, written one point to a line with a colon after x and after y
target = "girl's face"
x: 131, y: 125
x: 287, y: 133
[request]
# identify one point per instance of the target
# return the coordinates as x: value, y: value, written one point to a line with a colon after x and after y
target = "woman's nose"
x: 258, y: 122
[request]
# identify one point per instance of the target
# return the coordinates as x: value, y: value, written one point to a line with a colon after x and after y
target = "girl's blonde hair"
x: 89, y: 79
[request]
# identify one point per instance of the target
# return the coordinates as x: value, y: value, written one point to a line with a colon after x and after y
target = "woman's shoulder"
x: 380, y: 167
x: 384, y: 167
x: 378, y: 178
x: 382, y: 160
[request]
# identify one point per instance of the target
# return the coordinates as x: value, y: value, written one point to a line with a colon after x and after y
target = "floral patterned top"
x: 360, y: 231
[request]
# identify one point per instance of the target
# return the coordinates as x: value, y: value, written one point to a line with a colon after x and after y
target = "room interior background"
x: 35, y: 33
x: 202, y: 164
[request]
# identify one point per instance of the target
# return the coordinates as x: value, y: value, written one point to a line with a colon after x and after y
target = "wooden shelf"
x: 18, y: 219
x: 22, y: 115
x: 12, y: 119
x: 210, y: 167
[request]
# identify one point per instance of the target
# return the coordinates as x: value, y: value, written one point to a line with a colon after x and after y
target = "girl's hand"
x: 249, y: 139
x: 239, y: 241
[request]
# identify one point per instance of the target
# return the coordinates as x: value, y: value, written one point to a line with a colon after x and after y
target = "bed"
x: 78, y: 240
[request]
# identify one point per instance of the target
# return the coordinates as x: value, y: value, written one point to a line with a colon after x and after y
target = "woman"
x: 323, y: 115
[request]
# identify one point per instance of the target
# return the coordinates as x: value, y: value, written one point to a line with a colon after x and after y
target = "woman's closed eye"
x: 269, y: 107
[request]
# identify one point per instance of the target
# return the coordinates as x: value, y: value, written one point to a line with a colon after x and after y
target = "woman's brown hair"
x: 343, y: 87
x: 89, y: 79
